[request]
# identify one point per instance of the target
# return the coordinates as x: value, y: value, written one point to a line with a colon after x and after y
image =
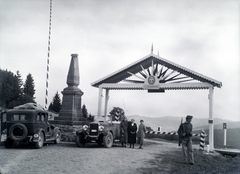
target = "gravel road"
x: 156, y: 157
x: 67, y: 158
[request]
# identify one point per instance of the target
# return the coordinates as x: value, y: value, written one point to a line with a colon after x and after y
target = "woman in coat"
x: 124, y: 132
x: 132, y: 133
x: 141, y: 133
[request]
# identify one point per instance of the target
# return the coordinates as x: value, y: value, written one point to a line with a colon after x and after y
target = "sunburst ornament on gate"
x: 154, y: 76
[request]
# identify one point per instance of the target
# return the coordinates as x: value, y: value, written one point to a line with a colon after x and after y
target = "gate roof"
x: 149, y: 66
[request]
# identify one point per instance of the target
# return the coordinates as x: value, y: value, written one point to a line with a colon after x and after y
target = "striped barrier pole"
x: 172, y: 133
x: 202, y: 140
x: 48, y: 55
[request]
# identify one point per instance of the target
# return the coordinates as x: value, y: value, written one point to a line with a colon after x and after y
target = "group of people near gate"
x: 132, y: 134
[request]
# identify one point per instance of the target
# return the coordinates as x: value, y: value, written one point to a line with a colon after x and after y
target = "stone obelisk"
x: 71, y: 112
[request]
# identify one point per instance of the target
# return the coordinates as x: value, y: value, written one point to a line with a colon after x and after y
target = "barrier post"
x: 225, y: 134
x: 202, y: 140
x: 159, y: 129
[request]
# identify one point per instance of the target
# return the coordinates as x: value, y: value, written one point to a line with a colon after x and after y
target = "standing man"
x: 141, y: 133
x: 132, y: 129
x: 186, y: 129
x: 124, y: 132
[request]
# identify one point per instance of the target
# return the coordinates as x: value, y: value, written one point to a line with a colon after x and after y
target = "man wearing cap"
x: 187, y: 150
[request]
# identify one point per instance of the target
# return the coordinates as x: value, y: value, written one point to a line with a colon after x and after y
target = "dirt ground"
x: 157, y: 156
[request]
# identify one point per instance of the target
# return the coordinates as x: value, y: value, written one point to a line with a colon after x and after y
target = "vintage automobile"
x: 28, y: 123
x: 100, y: 132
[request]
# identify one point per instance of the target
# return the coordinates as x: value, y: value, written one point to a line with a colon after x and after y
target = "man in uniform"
x: 186, y: 129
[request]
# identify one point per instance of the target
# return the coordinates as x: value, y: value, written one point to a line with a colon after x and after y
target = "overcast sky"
x: 202, y: 35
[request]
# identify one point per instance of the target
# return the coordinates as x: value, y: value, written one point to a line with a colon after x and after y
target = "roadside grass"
x: 205, y: 163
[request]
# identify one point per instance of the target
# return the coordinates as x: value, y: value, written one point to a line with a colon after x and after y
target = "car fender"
x: 55, y: 131
x: 105, y: 132
x: 35, y: 139
x: 85, y: 133
x: 40, y: 130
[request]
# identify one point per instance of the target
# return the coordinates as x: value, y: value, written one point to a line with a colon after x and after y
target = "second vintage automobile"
x: 100, y: 132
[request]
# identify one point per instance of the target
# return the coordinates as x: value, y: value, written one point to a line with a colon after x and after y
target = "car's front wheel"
x: 58, y: 138
x: 108, y: 140
x: 80, y: 140
x: 40, y: 142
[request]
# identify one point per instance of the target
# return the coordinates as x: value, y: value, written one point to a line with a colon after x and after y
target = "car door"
x: 47, y: 128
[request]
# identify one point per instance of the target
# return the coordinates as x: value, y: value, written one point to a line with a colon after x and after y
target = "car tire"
x: 24, y: 130
x: 8, y: 144
x: 58, y: 138
x: 80, y: 140
x: 100, y: 140
x: 40, y: 142
x: 108, y: 140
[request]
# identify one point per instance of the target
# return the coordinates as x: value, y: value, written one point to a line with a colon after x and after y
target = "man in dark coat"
x: 132, y: 133
x: 124, y: 132
x: 186, y: 129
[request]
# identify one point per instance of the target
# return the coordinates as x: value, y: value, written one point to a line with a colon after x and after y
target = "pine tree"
x: 90, y: 117
x: 10, y: 89
x: 29, y: 86
x: 6, y: 94
x: 17, y: 91
x: 55, y: 105
x: 17, y: 86
x: 84, y: 111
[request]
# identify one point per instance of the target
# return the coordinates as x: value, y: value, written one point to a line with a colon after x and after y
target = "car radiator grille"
x: 93, y: 129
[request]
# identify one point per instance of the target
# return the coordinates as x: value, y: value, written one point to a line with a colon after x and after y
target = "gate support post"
x: 106, y: 103
x: 99, y: 102
x: 210, y: 121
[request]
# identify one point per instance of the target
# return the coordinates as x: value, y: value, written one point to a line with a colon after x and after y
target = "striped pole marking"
x: 48, y: 55
x: 202, y: 140
x: 167, y: 133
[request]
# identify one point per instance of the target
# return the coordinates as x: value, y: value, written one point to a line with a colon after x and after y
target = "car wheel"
x: 58, y: 138
x: 18, y: 132
x: 80, y: 140
x: 100, y: 140
x: 108, y: 140
x: 40, y: 142
x: 8, y: 144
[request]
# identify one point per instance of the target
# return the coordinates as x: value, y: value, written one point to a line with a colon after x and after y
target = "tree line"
x: 13, y: 91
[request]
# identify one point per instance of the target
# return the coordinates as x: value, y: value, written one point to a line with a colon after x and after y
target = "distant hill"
x: 230, y: 125
x: 171, y: 123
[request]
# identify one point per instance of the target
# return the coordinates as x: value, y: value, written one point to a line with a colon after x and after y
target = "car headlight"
x: 101, y: 128
x: 35, y: 135
x: 85, y: 127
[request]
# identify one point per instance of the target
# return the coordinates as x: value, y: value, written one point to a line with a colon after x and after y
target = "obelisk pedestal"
x: 71, y: 111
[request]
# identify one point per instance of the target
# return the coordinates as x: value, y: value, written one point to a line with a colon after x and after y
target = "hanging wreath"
x: 117, y: 114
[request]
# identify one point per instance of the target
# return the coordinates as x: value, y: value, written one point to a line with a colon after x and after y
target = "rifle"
x: 180, y: 133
